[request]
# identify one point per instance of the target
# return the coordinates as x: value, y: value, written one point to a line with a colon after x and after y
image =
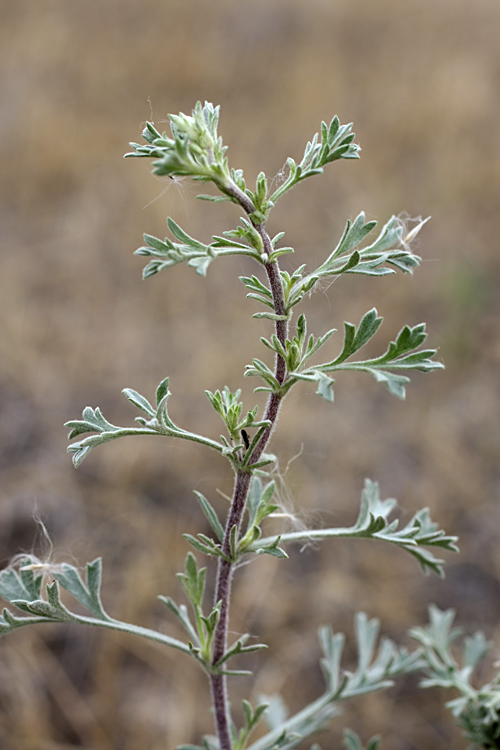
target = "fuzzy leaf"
x: 401, y: 354
x: 20, y: 585
x: 139, y: 401
x: 23, y: 589
x: 352, y: 741
x: 336, y: 143
x: 158, y: 424
x: 419, y: 537
x: 88, y: 593
x: 477, y: 709
x: 375, y: 671
x: 272, y: 549
x: 211, y: 515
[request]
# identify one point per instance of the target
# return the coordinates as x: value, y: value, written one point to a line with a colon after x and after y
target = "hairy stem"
x: 225, y: 569
x: 223, y: 594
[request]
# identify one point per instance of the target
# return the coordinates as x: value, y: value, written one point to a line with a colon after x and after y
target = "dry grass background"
x: 420, y: 79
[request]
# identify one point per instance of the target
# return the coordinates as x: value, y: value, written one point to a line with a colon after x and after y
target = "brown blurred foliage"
x: 420, y: 79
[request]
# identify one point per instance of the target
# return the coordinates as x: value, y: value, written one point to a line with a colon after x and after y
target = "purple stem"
x: 225, y: 569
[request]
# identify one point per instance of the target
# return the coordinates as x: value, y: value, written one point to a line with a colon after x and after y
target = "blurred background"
x: 420, y: 80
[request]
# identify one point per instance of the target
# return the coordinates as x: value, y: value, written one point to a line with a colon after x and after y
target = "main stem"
x: 218, y: 682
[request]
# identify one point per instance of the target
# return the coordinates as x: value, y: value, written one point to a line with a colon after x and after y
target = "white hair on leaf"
x: 280, y: 176
x: 181, y: 187
x: 283, y: 497
x: 408, y: 235
x: 28, y: 561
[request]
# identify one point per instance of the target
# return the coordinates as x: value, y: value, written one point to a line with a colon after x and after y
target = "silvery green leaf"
x: 354, y: 234
x: 239, y: 647
x: 28, y: 598
x: 162, y: 391
x: 336, y: 143
x: 205, y: 545
x: 159, y: 424
x: 257, y: 288
x: 325, y: 386
x: 332, y: 646
x: 419, y: 537
x: 195, y: 150
x: 213, y: 198
x: 375, y: 671
x: 20, y: 584
x: 193, y: 580
x: 139, y: 401
x: 211, y: 515
x: 226, y: 241
x: 476, y: 709
x: 272, y: 549
x: 265, y: 460
x: 366, y: 637
x: 201, y: 264
x: 372, y: 507
x: 261, y: 370
x: 88, y: 592
x: 252, y: 715
x: 390, y: 235
x: 183, y: 237
x: 277, y: 712
x: 279, y: 252
x: 355, y: 339
x: 420, y: 532
x: 270, y: 316
x: 182, y: 614
x: 9, y: 622
x: 209, y: 743
x: 395, y: 383
x: 162, y: 247
x: 254, y: 500
x: 93, y: 421
x: 351, y: 741
x: 475, y: 648
x: 401, y: 354
x: 44, y: 609
x: 390, y: 251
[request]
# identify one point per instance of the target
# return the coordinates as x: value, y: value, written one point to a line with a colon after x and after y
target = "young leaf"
x: 354, y: 234
x: 211, y: 515
x: 193, y: 580
x: 88, y: 593
x: 272, y: 549
x: 355, y: 339
x: 139, y: 401
x: 336, y: 143
x: 352, y: 741
x: 162, y: 391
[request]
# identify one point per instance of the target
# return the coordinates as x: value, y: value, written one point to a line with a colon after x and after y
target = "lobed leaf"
x: 477, y: 709
x: 419, y: 537
x: 402, y: 354
x: 158, y: 424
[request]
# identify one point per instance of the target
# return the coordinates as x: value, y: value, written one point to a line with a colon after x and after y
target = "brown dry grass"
x: 420, y: 81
